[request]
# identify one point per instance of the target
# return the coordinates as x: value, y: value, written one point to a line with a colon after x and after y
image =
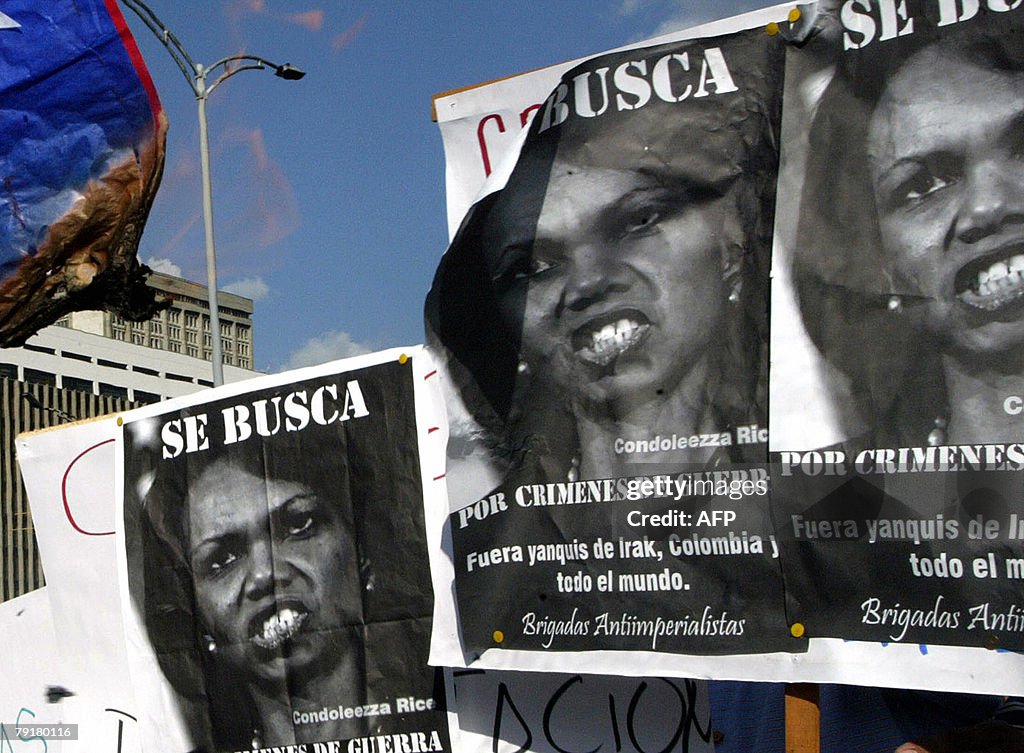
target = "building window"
x: 8, y: 370
x: 145, y: 397
x: 40, y: 349
x: 192, y: 350
x: 36, y: 376
x: 139, y: 338
x: 112, y: 390
x: 74, y: 383
x: 191, y: 319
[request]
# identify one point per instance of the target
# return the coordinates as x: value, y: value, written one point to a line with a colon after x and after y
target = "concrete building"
x: 185, y: 326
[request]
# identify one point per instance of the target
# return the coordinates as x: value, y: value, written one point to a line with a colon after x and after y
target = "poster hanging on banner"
x: 615, y: 362
x: 275, y: 561
x: 903, y: 523
x: 81, y: 155
x: 581, y: 513
x: 69, y: 478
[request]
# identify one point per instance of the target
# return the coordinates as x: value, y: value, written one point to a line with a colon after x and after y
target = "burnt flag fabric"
x: 82, y: 136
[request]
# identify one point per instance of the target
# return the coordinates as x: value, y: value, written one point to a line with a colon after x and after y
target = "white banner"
x: 69, y: 477
x: 35, y: 687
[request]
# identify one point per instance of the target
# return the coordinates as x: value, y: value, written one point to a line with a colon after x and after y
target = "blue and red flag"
x: 82, y: 137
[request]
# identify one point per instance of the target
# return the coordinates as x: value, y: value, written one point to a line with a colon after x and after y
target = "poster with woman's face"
x: 903, y: 232
x: 276, y: 560
x: 603, y: 316
x: 897, y: 375
x: 615, y: 287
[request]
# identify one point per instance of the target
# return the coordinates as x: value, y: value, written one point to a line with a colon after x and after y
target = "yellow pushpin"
x: 499, y: 637
x: 120, y: 421
x: 403, y: 358
x: 797, y: 630
x: 772, y: 29
x: 794, y: 15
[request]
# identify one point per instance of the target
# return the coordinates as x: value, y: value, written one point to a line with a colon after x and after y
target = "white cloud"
x: 166, y: 266
x: 690, y: 13
x: 251, y: 287
x: 326, y: 347
x: 683, y: 21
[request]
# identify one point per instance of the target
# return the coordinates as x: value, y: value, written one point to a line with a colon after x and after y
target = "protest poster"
x: 900, y: 239
x: 81, y: 156
x: 519, y: 450
x: 608, y: 432
x: 274, y: 561
x: 68, y: 473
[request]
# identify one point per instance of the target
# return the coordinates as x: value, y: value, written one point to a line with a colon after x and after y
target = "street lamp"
x: 197, y: 76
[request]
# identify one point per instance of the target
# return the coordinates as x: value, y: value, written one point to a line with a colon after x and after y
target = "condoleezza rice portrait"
x: 285, y: 574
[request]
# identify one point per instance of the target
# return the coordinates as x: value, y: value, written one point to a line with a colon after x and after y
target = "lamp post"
x: 198, y: 77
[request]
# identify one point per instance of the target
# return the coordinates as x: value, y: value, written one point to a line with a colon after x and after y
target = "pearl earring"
x: 937, y: 436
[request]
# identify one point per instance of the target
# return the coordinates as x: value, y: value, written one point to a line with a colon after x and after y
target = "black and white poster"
x: 604, y: 316
x: 899, y: 487
x: 276, y: 562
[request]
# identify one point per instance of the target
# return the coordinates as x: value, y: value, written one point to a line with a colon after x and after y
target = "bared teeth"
x: 611, y: 340
x: 279, y: 627
x: 997, y: 284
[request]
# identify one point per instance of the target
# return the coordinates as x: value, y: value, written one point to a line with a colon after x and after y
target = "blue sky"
x: 329, y: 192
